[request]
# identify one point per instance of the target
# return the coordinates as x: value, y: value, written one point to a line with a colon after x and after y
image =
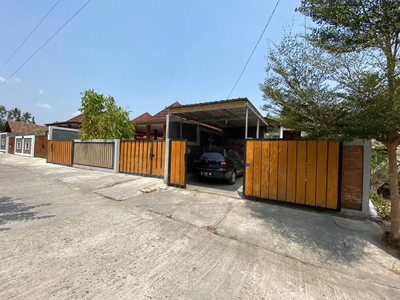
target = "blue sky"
x: 146, y: 54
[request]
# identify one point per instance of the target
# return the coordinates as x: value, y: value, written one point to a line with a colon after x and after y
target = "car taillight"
x: 223, y: 164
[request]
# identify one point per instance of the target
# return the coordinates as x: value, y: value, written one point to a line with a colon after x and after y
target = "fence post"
x: 117, y: 147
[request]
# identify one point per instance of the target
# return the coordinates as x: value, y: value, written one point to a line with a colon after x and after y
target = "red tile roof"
x: 144, y: 117
x: 76, y: 119
x: 159, y: 117
x: 25, y: 128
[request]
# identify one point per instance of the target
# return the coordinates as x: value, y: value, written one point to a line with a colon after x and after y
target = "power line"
x: 40, y: 48
x: 255, y: 47
x: 19, y: 47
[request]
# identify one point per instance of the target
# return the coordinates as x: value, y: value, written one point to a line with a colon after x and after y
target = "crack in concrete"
x: 215, y: 232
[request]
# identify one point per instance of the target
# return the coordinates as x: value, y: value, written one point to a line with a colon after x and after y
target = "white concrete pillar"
x: 117, y: 150
x: 166, y: 158
x: 258, y: 128
x: 247, y: 122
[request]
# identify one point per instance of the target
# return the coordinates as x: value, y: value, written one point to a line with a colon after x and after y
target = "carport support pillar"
x: 166, y: 159
x: 258, y: 128
x: 180, y: 129
x: 247, y: 122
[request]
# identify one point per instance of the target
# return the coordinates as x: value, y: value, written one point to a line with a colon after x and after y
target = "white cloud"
x: 43, y: 105
x: 18, y: 79
x: 2, y: 79
x: 77, y: 113
x: 41, y: 91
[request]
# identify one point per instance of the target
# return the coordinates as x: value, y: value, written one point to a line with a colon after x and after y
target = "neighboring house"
x: 74, y: 122
x: 154, y: 127
x: 141, y: 131
x: 25, y: 128
x: 22, y: 135
x: 286, y: 133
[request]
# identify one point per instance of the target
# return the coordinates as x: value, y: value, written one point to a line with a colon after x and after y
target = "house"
x: 25, y: 128
x: 141, y: 131
x: 19, y: 137
x: 195, y: 133
x: 74, y: 122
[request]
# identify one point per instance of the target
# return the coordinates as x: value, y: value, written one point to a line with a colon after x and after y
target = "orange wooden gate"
x: 303, y: 171
x: 60, y: 152
x: 41, y: 146
x: 144, y: 158
x: 11, y: 144
x: 177, y: 163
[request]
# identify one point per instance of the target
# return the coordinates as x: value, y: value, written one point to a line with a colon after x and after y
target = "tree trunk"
x: 394, y: 191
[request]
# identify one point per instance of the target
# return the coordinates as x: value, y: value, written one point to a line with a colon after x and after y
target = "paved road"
x: 63, y: 235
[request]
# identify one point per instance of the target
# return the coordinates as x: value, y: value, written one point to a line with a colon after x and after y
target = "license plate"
x: 206, y: 174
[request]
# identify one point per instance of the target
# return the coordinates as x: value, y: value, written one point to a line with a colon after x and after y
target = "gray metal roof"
x: 222, y: 114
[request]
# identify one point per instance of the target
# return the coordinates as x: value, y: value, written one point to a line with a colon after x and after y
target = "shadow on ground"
x: 13, y: 210
x: 220, y: 187
x: 316, y: 235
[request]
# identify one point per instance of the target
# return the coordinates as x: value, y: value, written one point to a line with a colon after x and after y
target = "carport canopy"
x: 231, y: 113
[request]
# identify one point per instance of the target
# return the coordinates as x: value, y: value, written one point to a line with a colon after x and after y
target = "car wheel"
x: 232, y: 178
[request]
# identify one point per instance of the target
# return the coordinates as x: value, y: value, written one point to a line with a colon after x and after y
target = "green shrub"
x: 382, y: 205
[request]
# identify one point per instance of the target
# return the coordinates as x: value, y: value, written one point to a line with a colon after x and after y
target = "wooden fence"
x: 41, y: 146
x: 304, y: 172
x: 94, y: 154
x: 177, y: 163
x: 142, y: 158
x: 60, y: 152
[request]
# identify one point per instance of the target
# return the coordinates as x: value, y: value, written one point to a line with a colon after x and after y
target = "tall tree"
x: 14, y: 114
x: 103, y: 119
x: 344, y: 83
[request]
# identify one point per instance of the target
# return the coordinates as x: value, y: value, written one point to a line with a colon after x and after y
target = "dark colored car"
x: 219, y: 163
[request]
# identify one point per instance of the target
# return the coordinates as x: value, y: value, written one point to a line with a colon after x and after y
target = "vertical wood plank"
x: 149, y: 158
x: 128, y: 157
x: 145, y: 154
x: 282, y: 170
x: 163, y: 157
x: 136, y: 163
x: 249, y: 168
x: 322, y: 163
x: 154, y: 159
x: 182, y: 169
x: 291, y: 171
x: 140, y: 158
x: 333, y: 174
x: 257, y: 169
x: 121, y: 155
x: 301, y: 172
x: 173, y: 163
x: 159, y: 153
x: 265, y: 169
x: 133, y: 156
x: 311, y: 172
x: 273, y: 171
x: 177, y: 162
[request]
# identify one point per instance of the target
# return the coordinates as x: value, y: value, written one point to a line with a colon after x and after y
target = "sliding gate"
x: 144, y: 158
x: 298, y: 171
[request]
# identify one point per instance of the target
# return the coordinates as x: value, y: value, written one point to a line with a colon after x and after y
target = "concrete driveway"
x: 68, y: 233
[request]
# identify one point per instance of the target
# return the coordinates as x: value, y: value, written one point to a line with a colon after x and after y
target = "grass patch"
x: 382, y: 205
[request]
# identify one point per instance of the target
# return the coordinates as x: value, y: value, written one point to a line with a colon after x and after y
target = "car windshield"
x: 213, y: 154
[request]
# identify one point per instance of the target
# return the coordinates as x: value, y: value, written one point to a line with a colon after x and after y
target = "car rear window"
x: 213, y: 154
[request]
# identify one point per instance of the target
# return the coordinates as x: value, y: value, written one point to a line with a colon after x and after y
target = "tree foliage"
x: 103, y: 119
x: 342, y: 80
x: 14, y: 114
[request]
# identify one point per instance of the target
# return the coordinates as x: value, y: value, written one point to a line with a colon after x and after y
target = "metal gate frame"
x: 50, y: 148
x: 151, y: 155
x: 169, y: 164
x: 339, y: 201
